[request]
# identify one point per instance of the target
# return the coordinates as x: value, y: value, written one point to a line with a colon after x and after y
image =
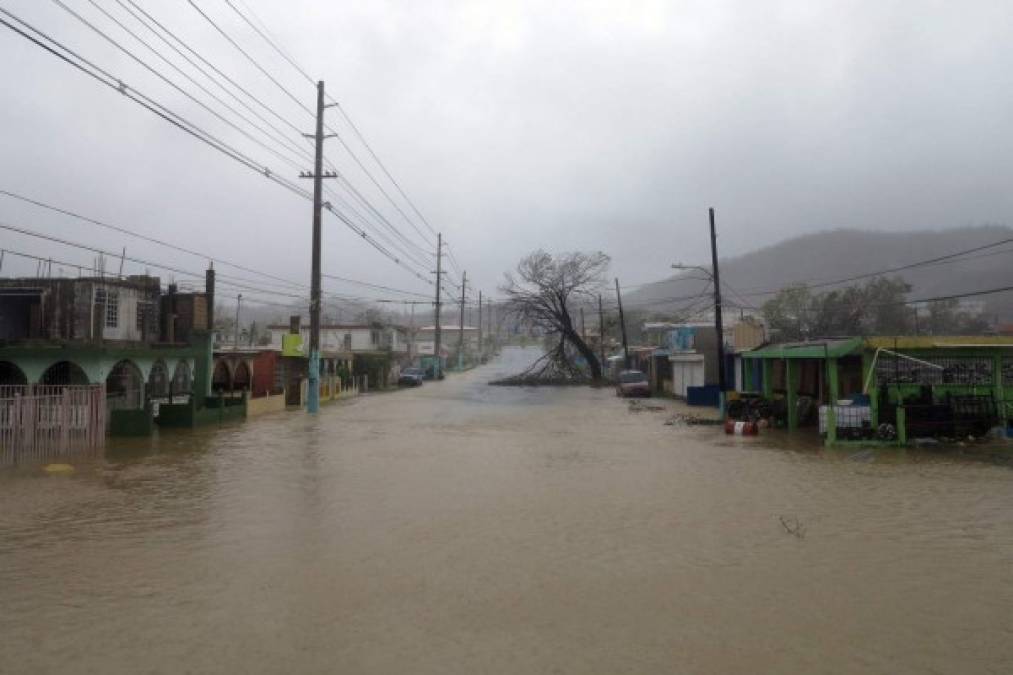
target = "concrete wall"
x: 265, y: 404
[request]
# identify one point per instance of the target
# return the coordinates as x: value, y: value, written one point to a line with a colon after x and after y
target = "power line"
x: 146, y: 102
x: 162, y: 77
x: 251, y: 59
x: 264, y: 34
x: 371, y: 285
x: 351, y: 188
x: 340, y: 139
x: 280, y: 138
x: 182, y: 249
x: 292, y: 96
x: 222, y: 74
x: 176, y: 120
x: 943, y: 259
x: 113, y: 255
x: 349, y: 208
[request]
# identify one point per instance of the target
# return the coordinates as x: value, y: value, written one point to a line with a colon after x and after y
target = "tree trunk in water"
x: 586, y: 352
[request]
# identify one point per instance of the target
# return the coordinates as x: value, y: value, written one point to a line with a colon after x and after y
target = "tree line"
x: 877, y: 307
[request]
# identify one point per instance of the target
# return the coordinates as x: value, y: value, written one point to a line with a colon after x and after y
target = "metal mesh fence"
x: 961, y: 370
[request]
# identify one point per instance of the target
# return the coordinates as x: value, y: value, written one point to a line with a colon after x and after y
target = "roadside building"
x: 886, y: 387
x: 452, y: 340
x: 375, y: 351
x: 116, y: 334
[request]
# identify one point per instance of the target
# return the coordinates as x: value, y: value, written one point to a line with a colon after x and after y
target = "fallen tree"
x: 540, y: 296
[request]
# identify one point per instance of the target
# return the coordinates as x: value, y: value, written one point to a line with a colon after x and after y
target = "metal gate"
x: 39, y: 421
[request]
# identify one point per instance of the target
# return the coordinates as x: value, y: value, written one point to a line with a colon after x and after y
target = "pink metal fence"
x: 38, y: 421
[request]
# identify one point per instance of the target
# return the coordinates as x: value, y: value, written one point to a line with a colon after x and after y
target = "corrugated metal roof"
x: 938, y: 341
x: 814, y: 349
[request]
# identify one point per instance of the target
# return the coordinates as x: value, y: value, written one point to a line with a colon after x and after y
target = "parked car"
x: 410, y: 377
x: 633, y: 383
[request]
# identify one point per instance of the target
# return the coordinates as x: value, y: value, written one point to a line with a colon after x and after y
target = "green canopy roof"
x: 814, y: 349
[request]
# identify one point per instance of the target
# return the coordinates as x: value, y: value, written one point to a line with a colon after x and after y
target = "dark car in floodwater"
x: 633, y: 383
x: 410, y: 377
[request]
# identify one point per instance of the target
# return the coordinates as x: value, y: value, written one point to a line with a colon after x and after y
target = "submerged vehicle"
x: 410, y: 377
x: 633, y: 383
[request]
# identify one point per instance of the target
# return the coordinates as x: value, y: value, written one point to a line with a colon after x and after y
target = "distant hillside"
x: 844, y: 253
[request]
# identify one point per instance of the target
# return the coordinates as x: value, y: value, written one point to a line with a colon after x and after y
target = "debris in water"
x: 793, y: 526
x: 689, y: 420
x: 637, y: 405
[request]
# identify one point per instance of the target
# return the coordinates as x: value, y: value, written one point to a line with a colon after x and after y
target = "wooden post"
x: 999, y: 392
x: 831, y: 425
x: 66, y: 415
x: 869, y: 375
x: 834, y: 386
x: 901, y: 425
x: 791, y: 373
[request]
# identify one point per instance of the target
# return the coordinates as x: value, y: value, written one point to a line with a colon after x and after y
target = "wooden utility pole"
x: 719, y: 328
x: 480, y: 325
x: 411, y: 336
x: 438, y: 368
x: 239, y: 301
x: 313, y: 388
x: 622, y: 324
x: 460, y: 333
x: 601, y: 332
x: 583, y: 326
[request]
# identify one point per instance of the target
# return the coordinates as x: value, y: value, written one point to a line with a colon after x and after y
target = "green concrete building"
x: 933, y: 385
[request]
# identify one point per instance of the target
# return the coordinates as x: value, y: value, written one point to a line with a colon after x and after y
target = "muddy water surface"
x: 461, y: 528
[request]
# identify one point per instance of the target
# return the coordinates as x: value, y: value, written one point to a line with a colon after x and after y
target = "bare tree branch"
x: 541, y: 294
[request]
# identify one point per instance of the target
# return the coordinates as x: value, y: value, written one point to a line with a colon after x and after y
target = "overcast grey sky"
x: 513, y: 126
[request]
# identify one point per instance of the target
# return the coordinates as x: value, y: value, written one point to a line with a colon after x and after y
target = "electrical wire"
x: 339, y: 137
x: 279, y: 136
x: 182, y: 249
x: 165, y: 79
x: 176, y: 120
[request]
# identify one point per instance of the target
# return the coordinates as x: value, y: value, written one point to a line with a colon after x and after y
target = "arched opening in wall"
x: 221, y: 380
x: 124, y: 387
x: 158, y: 381
x: 64, y: 373
x: 181, y: 382
x: 241, y: 380
x: 10, y: 374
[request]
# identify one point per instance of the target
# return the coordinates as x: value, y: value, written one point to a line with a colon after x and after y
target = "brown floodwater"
x: 462, y: 528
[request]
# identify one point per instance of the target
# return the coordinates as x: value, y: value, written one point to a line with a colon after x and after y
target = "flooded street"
x: 463, y: 528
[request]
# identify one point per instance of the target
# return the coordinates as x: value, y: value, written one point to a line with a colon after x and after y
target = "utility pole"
x: 460, y: 333
x: 719, y: 328
x: 437, y: 374
x: 601, y: 332
x: 480, y: 325
x: 583, y: 326
x: 239, y: 301
x: 411, y: 336
x: 622, y: 323
x: 313, y: 389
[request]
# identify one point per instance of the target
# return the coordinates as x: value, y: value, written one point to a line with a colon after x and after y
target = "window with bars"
x: 112, y: 309
x: 143, y: 316
x: 1007, y: 372
x: 111, y: 301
